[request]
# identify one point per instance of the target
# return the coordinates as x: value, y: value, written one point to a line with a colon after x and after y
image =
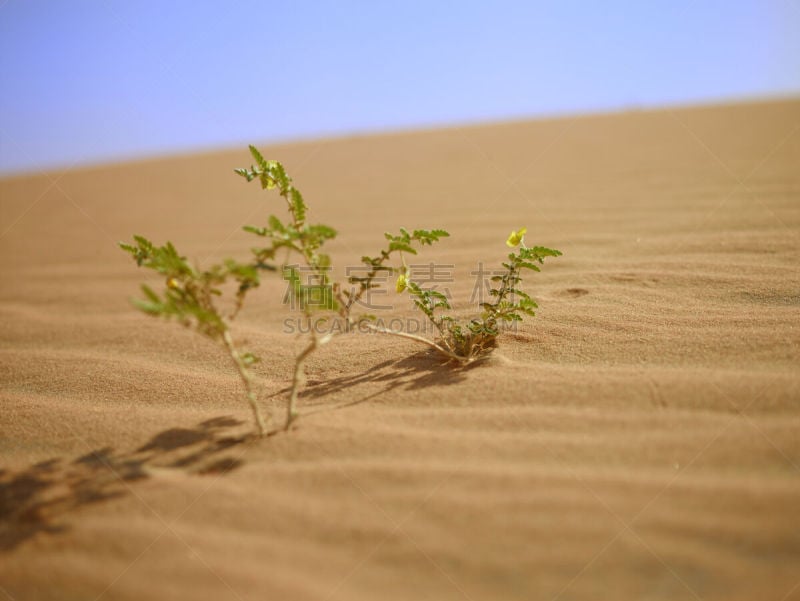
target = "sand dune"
x: 638, y: 439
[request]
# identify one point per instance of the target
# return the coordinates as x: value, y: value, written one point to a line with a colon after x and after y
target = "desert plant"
x: 296, y: 237
x: 191, y: 294
x: 466, y: 342
x: 189, y: 297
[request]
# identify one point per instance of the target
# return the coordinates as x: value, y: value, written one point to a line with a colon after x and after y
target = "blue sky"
x: 85, y: 81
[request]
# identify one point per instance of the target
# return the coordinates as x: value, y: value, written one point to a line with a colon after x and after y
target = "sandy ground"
x: 638, y: 439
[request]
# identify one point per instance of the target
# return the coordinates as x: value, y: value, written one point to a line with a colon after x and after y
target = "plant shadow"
x: 38, y: 498
x: 421, y: 370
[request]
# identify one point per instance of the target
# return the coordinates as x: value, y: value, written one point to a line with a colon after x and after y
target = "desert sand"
x: 638, y: 439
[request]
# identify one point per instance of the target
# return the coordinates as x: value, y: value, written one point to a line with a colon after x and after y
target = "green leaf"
x: 323, y: 261
x: 148, y: 292
x: 258, y: 158
x: 322, y: 231
x: 258, y: 231
x: 298, y: 206
x: 543, y: 251
x: 249, y: 359
x: 276, y: 224
x: 147, y: 307
x: 143, y: 242
x: 245, y: 173
x: 402, y: 246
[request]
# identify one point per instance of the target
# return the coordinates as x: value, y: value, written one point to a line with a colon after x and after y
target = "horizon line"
x: 417, y: 128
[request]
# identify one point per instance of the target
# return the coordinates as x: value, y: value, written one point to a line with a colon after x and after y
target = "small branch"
x: 247, y: 380
x: 422, y: 340
x: 365, y: 285
x: 298, y: 379
x: 443, y: 334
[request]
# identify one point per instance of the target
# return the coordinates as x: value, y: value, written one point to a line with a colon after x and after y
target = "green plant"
x: 196, y: 298
x: 466, y: 342
x: 191, y: 296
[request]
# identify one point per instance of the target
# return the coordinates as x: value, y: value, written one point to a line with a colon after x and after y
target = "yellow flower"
x: 173, y: 283
x: 402, y: 282
x: 515, y: 238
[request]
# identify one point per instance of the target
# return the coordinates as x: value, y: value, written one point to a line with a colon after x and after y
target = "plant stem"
x: 298, y: 379
x: 247, y: 380
x: 366, y: 284
x: 424, y: 341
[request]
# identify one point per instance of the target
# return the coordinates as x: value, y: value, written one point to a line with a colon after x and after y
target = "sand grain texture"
x: 638, y: 439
